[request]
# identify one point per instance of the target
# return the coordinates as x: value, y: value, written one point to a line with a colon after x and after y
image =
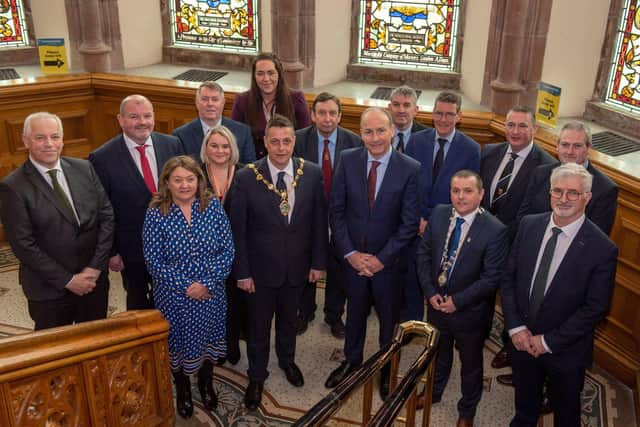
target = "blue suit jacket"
x: 601, y: 209
x: 476, y: 274
x: 191, y: 136
x: 126, y: 189
x: 389, y: 226
x: 578, y: 296
x: 464, y: 153
x: 507, y: 207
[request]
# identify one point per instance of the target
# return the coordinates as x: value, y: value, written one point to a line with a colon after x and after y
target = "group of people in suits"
x: 394, y: 218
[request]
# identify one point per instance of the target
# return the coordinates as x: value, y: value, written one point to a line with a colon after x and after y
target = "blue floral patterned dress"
x: 177, y: 254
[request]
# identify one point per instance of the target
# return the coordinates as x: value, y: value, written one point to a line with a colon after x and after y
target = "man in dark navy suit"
x: 442, y: 152
x: 373, y: 213
x: 506, y: 170
x: 403, y: 106
x: 128, y: 167
x: 557, y: 287
x: 322, y: 143
x: 210, y: 105
x: 460, y: 261
x: 574, y: 142
x: 279, y: 220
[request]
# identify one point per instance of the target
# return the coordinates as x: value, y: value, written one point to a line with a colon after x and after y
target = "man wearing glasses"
x: 557, y: 287
x: 574, y: 142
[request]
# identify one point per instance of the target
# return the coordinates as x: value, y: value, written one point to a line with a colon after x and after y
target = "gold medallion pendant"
x: 284, y: 208
x: 442, y: 278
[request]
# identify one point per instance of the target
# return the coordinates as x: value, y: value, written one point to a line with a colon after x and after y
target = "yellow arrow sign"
x: 53, y: 57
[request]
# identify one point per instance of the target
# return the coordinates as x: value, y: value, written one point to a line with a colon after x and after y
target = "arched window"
x: 218, y: 25
x: 408, y: 34
x: 13, y: 28
x: 623, y: 88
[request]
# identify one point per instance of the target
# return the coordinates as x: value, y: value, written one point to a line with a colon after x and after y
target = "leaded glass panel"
x: 12, y: 24
x: 406, y: 33
x: 624, y: 78
x: 223, y: 25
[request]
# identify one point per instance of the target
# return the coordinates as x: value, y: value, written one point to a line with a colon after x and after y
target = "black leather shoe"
x: 221, y: 361
x: 505, y: 379
x: 303, y: 323
x: 546, y: 403
x: 500, y: 360
x: 337, y: 328
x: 233, y: 353
x: 253, y: 395
x: 293, y: 374
x: 339, y: 374
x: 205, y: 386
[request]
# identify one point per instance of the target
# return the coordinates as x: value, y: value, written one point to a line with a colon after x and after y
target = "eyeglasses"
x: 440, y: 114
x: 513, y: 126
x: 571, y: 195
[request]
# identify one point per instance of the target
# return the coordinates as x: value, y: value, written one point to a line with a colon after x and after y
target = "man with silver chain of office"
x: 460, y: 261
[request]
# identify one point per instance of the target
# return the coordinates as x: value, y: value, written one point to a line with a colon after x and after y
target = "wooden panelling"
x: 112, y: 372
x: 89, y: 104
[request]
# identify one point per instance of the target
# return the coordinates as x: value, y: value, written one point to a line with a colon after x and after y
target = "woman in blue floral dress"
x: 189, y: 250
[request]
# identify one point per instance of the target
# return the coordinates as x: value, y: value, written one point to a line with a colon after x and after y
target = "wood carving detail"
x: 131, y: 384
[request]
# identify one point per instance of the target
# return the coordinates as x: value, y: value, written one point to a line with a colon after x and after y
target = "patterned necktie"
x: 60, y: 192
x: 540, y: 281
x: 503, y: 183
x: 326, y: 167
x: 437, y: 164
x: 280, y: 184
x: 371, y: 182
x: 146, y: 169
x: 400, y: 146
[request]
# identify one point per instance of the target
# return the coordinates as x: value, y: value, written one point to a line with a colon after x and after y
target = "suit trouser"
x: 565, y: 381
x: 470, y: 345
x: 263, y: 304
x: 71, y: 308
x: 334, y: 291
x: 138, y: 284
x: 237, y: 316
x: 384, y: 293
x: 413, y: 300
x: 307, y: 303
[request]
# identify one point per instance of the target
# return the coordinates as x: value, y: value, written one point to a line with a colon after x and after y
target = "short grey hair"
x: 210, y: 85
x: 404, y: 91
x: 40, y: 115
x: 570, y: 170
x: 579, y: 127
x: 138, y: 99
x: 224, y: 132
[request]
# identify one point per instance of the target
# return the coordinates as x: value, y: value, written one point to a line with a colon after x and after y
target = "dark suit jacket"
x: 490, y: 159
x: 269, y: 249
x: 464, y: 153
x: 191, y: 136
x: 239, y: 113
x: 578, y: 296
x: 417, y: 127
x: 601, y: 209
x: 389, y: 226
x: 51, y: 245
x: 476, y: 274
x: 126, y: 189
x: 307, y: 144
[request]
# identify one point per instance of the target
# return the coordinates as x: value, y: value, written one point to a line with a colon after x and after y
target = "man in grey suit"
x: 128, y: 166
x: 59, y: 223
x: 322, y: 143
x: 210, y: 105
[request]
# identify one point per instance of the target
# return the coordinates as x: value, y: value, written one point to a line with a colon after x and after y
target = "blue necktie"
x: 455, y: 237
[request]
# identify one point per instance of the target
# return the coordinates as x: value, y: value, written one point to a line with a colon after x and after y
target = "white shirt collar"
x: 468, y: 218
x: 206, y: 127
x: 131, y: 144
x: 570, y: 229
x: 273, y: 170
x: 522, y: 154
x: 44, y: 169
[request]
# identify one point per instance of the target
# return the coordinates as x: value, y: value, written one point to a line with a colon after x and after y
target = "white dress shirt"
x: 288, y: 179
x: 517, y: 164
x: 149, y: 152
x: 62, y: 180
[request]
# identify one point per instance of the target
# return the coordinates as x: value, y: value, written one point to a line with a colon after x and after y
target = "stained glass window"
x: 406, y: 33
x: 624, y: 78
x: 12, y: 24
x: 223, y: 25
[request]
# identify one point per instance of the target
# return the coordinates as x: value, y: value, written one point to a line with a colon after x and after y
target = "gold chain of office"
x: 284, y: 195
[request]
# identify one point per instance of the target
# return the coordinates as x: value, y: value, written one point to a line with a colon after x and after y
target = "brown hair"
x: 283, y: 103
x: 162, y: 199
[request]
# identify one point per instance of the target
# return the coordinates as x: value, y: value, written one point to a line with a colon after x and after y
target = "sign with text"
x: 548, y: 104
x: 53, y: 56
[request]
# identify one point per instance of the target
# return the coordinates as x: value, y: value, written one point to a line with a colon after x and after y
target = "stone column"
x: 95, y: 52
x: 286, y: 39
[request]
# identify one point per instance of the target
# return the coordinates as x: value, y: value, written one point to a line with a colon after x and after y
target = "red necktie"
x: 326, y: 167
x: 146, y: 169
x: 371, y: 182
